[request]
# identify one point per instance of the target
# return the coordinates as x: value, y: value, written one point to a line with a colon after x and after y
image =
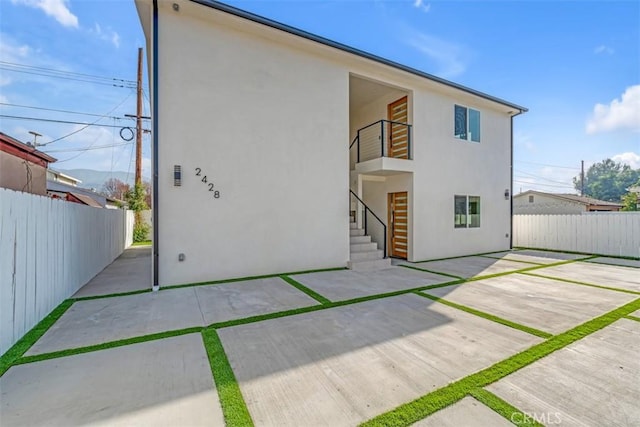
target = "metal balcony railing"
x: 383, y: 138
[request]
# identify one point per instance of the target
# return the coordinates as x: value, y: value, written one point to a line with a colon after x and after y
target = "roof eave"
x: 327, y: 42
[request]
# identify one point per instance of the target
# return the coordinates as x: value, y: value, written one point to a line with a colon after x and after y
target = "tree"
x: 607, y: 180
x: 631, y: 202
x: 147, y: 192
x: 135, y: 200
x: 115, y: 188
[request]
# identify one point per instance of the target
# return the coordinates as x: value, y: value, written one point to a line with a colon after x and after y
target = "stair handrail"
x: 384, y: 227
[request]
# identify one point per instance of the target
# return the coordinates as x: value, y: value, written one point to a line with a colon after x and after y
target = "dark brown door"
x: 398, y: 224
x: 398, y: 134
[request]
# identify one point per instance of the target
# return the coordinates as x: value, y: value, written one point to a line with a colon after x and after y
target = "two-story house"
x: 268, y: 141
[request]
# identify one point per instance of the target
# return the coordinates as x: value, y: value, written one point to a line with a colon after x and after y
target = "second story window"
x: 466, y: 123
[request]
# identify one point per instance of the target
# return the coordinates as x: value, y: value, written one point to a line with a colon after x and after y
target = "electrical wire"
x: 67, y: 75
x: 533, y: 184
x: 70, y: 122
x: 63, y: 111
x: 544, y: 164
x: 538, y: 177
x: 97, y: 147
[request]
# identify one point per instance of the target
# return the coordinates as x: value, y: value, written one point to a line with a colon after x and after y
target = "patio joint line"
x: 234, y: 408
x: 577, y: 282
x: 488, y: 316
x: 432, y: 402
x: 118, y: 294
x: 503, y: 408
x: 107, y: 345
x: 16, y: 351
x: 586, y: 255
x: 302, y: 288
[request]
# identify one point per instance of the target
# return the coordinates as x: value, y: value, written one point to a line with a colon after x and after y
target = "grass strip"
x: 514, y: 260
x: 489, y: 316
x: 576, y: 282
x: 461, y: 256
x: 107, y: 345
x: 630, y: 317
x: 119, y: 294
x: 233, y: 405
x: 334, y: 304
x: 299, y: 286
x: 241, y: 279
x: 590, y: 255
x: 592, y: 261
x: 504, y: 408
x: 426, y: 405
x: 29, y: 339
x: 453, y: 276
x: 142, y: 243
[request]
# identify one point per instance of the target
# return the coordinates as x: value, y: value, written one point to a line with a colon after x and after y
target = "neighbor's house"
x: 22, y: 166
x: 261, y: 130
x: 537, y: 202
x: 57, y: 176
x: 61, y: 190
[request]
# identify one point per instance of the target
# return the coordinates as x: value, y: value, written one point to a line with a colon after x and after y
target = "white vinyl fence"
x: 605, y: 233
x: 49, y: 249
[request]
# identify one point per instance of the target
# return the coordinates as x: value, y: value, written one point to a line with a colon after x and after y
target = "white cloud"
x: 630, y: 158
x: 57, y: 9
x: 10, y: 51
x: 4, y: 99
x: 420, y: 4
x: 603, y: 49
x: 5, y: 81
x: 450, y: 58
x: 623, y: 113
x: 107, y: 35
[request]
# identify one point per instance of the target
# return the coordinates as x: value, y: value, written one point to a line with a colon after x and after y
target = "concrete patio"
x: 335, y: 361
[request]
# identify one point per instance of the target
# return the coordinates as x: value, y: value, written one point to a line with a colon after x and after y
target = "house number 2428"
x: 216, y: 193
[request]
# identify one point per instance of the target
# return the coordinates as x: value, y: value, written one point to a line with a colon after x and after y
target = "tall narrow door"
x: 397, y: 130
x: 398, y: 224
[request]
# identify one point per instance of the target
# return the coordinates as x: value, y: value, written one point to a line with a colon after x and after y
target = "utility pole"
x: 139, y: 122
x: 582, y: 177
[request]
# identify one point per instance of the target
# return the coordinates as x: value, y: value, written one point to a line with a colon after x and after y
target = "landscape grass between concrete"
x: 577, y: 282
x: 16, y: 351
x: 507, y: 259
x: 234, y: 408
x: 430, y: 403
x: 504, y: 408
x: 630, y: 317
x: 431, y: 271
x: 241, y: 279
x: 299, y: 286
x: 142, y: 243
x: 488, y: 316
x: 104, y: 346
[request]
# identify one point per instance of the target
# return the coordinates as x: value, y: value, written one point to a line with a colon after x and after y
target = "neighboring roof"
x: 634, y: 189
x: 59, y: 187
x: 28, y: 152
x: 309, y: 36
x: 84, y: 199
x: 64, y: 175
x: 573, y: 198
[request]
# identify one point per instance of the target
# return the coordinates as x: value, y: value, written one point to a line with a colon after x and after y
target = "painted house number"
x: 216, y: 193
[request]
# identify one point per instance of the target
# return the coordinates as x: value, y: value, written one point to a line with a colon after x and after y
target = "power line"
x: 57, y: 121
x: 51, y: 72
x: 97, y: 147
x: 534, y: 184
x: 544, y: 164
x: 59, y: 111
x: 538, y: 177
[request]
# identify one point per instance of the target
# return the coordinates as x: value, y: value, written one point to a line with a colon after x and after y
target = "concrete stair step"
x: 366, y: 256
x: 363, y: 247
x: 370, y: 265
x: 360, y: 239
x: 356, y: 232
x: 353, y: 225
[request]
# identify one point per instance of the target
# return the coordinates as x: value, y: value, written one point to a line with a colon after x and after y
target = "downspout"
x: 154, y: 148
x: 511, y: 186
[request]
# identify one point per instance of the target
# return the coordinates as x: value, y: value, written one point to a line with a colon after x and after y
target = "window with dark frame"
x: 466, y: 123
x: 466, y: 211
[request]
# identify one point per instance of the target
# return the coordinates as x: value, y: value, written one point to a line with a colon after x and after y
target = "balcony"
x: 382, y: 148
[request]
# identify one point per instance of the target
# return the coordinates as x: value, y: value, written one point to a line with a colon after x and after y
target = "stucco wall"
x: 267, y: 124
x: 545, y: 205
x: 14, y: 176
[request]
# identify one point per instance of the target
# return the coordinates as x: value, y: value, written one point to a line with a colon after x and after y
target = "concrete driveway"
x: 339, y: 347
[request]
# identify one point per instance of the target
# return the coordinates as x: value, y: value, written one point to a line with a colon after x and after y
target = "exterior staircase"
x: 364, y: 254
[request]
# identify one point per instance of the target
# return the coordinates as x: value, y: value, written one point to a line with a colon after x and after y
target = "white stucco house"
x: 266, y: 136
x: 538, y: 202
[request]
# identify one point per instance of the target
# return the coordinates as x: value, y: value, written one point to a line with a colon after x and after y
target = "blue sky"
x: 574, y: 64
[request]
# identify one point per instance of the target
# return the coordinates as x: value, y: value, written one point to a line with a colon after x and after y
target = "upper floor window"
x: 530, y: 199
x: 467, y: 124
